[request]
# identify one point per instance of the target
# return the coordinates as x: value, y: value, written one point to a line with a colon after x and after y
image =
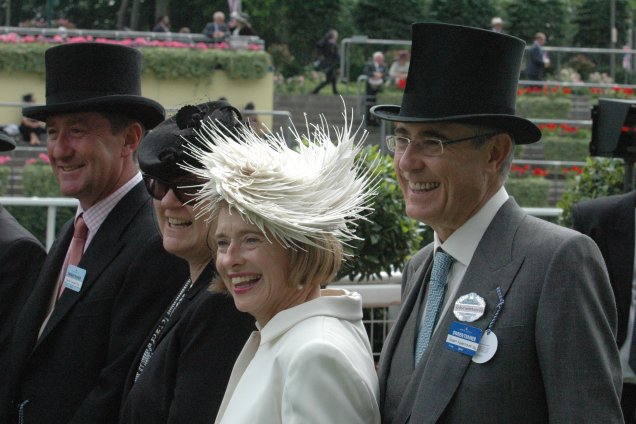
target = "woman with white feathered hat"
x: 283, y: 217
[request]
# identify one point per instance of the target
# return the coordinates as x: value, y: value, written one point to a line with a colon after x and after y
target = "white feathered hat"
x: 296, y: 195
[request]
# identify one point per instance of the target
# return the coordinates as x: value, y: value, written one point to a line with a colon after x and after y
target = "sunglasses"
x: 185, y: 190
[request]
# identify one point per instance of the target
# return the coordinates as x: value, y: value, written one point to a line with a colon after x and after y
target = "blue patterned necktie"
x: 436, y: 289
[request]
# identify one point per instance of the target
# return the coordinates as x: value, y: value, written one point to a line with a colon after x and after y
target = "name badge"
x: 470, y: 307
x: 74, y: 278
x: 463, y: 338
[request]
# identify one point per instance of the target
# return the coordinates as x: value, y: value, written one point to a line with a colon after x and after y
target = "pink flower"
x: 44, y: 158
x: 4, y: 159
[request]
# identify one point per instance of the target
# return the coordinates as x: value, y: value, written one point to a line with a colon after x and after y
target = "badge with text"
x: 487, y: 348
x: 463, y: 338
x: 74, y: 278
x: 470, y: 307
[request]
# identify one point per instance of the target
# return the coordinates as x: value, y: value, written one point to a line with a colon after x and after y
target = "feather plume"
x: 296, y: 195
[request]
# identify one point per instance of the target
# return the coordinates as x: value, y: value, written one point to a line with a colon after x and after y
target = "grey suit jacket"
x: 557, y: 359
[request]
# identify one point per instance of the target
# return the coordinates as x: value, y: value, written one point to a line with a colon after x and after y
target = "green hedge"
x: 549, y: 107
x: 389, y: 97
x: 565, y: 148
x: 38, y: 180
x: 389, y: 237
x: 529, y: 192
x: 163, y: 62
x: 601, y: 177
x: 5, y: 172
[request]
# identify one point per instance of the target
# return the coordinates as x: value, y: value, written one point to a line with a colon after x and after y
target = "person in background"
x: 496, y: 24
x: 107, y: 277
x: 183, y: 367
x: 31, y: 129
x: 377, y: 74
x: 217, y: 30
x: 252, y: 120
x: 243, y: 25
x: 537, y: 59
x: 162, y: 25
x: 310, y: 361
x: 329, y: 61
x: 505, y: 317
x: 609, y: 221
x: 399, y: 69
x: 21, y: 258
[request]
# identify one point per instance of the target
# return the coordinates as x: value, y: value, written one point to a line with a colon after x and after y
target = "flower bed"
x: 528, y: 185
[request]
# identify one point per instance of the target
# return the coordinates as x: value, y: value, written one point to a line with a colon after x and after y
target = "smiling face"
x: 254, y: 270
x: 183, y: 235
x: 445, y: 191
x: 88, y: 160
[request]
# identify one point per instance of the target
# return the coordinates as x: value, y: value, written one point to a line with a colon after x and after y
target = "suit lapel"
x: 411, y: 290
x: 103, y: 249
x: 441, y: 370
x: 37, y: 306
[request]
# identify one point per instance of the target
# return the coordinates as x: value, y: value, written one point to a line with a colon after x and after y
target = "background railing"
x: 557, y: 56
x: 380, y: 297
x: 234, y: 42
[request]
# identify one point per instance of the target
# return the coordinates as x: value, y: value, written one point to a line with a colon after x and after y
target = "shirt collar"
x: 95, y: 215
x: 463, y: 243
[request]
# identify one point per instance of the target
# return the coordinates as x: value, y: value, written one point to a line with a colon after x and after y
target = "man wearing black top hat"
x: 107, y: 278
x: 21, y: 257
x: 505, y: 318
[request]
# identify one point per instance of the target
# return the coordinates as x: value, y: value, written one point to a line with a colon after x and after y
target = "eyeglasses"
x: 427, y: 146
x: 185, y: 190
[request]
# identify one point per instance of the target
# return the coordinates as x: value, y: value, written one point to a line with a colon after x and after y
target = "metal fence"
x: 559, y: 56
x: 380, y: 298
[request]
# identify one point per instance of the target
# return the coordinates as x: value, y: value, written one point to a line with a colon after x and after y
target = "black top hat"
x: 6, y: 143
x: 163, y: 149
x: 95, y: 77
x: 462, y: 74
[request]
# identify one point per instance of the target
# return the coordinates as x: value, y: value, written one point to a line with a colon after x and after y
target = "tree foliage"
x: 593, y: 23
x: 475, y: 13
x: 294, y: 26
x: 547, y: 16
x: 387, y: 20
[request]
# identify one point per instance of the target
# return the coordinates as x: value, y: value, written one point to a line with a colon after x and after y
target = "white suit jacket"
x: 310, y: 364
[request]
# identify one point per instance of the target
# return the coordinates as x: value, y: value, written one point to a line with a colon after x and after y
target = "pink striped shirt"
x: 97, y: 214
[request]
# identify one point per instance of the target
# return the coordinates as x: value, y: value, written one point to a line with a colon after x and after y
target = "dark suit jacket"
x: 75, y: 371
x: 610, y: 223
x: 557, y: 359
x: 21, y: 258
x: 535, y: 66
x: 186, y: 377
x: 369, y: 70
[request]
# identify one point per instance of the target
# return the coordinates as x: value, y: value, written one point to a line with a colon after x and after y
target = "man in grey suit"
x: 520, y: 324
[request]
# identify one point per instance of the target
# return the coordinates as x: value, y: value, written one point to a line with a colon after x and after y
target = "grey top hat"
x: 462, y: 74
x: 95, y: 77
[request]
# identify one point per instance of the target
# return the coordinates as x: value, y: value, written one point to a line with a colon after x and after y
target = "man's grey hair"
x: 480, y: 141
